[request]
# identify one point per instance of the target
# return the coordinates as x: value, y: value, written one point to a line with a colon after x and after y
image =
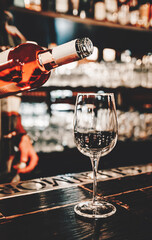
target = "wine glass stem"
x: 94, y: 161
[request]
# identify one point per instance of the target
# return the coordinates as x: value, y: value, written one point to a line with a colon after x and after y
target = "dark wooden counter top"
x: 43, y: 208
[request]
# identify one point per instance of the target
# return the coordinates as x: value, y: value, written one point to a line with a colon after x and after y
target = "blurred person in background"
x: 13, y: 136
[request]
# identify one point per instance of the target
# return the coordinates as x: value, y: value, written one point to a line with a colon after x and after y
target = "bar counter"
x: 43, y: 208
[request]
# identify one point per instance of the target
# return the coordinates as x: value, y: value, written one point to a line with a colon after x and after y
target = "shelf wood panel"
x: 76, y: 19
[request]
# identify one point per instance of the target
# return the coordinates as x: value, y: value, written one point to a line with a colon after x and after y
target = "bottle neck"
x: 46, y: 60
x: 65, y: 53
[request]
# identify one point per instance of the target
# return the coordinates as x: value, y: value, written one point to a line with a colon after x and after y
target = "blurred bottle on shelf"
x: 62, y: 6
x: 144, y: 13
x: 75, y: 7
x: 19, y: 3
x: 150, y: 20
x: 123, y: 12
x: 86, y: 8
x: 99, y: 10
x: 111, y: 10
x: 109, y: 55
x: 134, y: 12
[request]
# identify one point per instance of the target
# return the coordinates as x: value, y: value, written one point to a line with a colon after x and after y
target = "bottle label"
x: 46, y: 60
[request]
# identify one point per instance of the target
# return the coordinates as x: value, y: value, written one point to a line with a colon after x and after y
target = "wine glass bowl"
x: 95, y: 135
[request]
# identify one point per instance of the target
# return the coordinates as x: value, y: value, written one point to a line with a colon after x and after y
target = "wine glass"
x: 95, y: 135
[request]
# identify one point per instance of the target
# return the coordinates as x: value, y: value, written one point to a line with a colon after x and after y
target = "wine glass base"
x: 100, y: 209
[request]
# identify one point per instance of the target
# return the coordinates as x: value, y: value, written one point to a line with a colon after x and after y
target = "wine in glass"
x: 95, y: 135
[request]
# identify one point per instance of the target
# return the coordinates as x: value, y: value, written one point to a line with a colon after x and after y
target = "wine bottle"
x: 28, y: 65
